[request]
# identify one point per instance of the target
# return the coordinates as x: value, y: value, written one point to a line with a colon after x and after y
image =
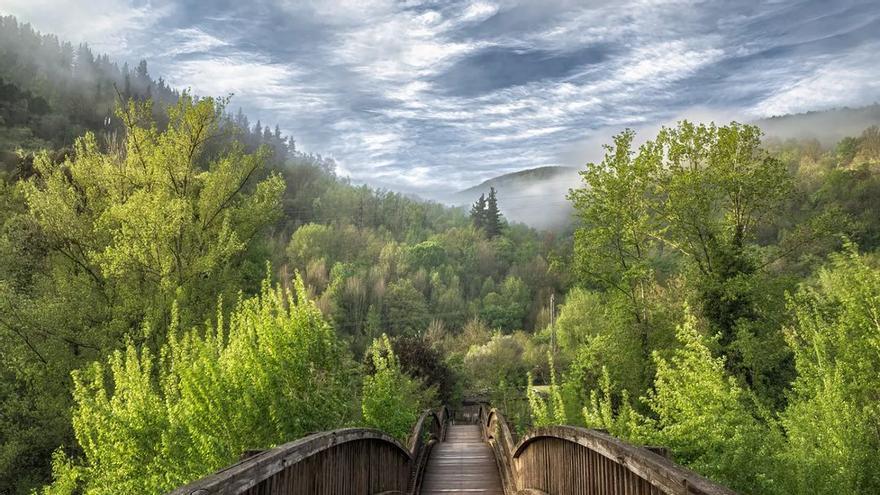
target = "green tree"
x: 405, y: 311
x: 478, y: 212
x: 550, y: 410
x: 833, y: 418
x: 718, y: 186
x: 704, y: 416
x: 493, y: 222
x: 498, y: 360
x: 106, y: 237
x: 596, y: 332
x: 506, y: 309
x: 158, y: 219
x: 619, y: 232
x: 240, y: 384
x: 392, y: 400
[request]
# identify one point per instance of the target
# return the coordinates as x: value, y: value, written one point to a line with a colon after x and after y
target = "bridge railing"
x: 429, y: 429
x: 349, y: 461
x: 567, y: 460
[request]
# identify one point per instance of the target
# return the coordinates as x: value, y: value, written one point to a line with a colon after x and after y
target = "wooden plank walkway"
x: 462, y: 465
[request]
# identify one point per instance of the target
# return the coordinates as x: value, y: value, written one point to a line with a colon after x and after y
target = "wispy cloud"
x: 426, y: 96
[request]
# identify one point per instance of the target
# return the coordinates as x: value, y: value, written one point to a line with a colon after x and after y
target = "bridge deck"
x: 462, y: 465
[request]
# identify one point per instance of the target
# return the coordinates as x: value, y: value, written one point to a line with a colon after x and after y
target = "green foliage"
x: 272, y: 372
x: 406, y: 312
x: 499, y: 359
x: 832, y: 419
x: 615, y: 416
x: 493, y: 221
x: 705, y: 418
x: 549, y: 411
x: 97, y: 240
x: 419, y: 358
x: 428, y: 254
x: 505, y: 310
x: 392, y: 400
x: 611, y: 249
x: 159, y: 219
x: 486, y: 216
x: 478, y: 212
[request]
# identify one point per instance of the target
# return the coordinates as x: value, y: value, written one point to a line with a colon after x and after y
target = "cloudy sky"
x: 429, y: 96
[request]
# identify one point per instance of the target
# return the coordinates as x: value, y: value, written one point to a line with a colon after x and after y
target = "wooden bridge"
x: 472, y: 454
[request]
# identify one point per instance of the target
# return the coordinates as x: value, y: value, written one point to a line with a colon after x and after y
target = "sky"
x: 429, y: 97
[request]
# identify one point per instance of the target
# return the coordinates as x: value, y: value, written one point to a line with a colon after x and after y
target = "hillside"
x: 535, y: 197
x: 827, y: 126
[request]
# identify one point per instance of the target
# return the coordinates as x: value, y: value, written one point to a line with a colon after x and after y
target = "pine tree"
x: 126, y: 74
x: 492, y: 221
x: 478, y: 212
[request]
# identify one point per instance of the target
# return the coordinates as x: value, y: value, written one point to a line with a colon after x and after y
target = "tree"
x: 243, y: 383
x: 158, y: 220
x: 702, y: 415
x: 595, y: 332
x: 498, y: 360
x: 406, y: 312
x: 549, y: 411
x: 478, y: 212
x: 832, y: 419
x: 492, y: 222
x: 392, y: 400
x: 695, y: 196
x: 717, y: 186
x: 505, y: 310
x: 418, y: 358
x: 612, y: 249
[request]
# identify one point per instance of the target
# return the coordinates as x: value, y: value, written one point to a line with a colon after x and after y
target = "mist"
x: 537, y: 197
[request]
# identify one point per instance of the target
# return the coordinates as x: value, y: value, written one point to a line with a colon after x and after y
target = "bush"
x: 274, y: 372
x: 392, y: 400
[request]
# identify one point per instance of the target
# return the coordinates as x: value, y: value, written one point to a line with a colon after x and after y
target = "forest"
x: 179, y: 285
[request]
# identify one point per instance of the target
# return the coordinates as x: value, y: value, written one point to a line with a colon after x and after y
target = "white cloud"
x: 477, y: 11
x: 192, y: 40
x: 365, y: 81
x: 106, y: 25
x: 241, y: 74
x: 851, y: 80
x: 665, y: 61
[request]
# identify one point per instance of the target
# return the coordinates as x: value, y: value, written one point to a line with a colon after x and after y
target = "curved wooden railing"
x: 567, y: 460
x: 429, y: 429
x: 349, y: 461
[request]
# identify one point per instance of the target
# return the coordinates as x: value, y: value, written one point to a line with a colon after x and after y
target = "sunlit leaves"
x: 273, y: 372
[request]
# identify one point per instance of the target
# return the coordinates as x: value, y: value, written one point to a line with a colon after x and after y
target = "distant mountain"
x: 827, y: 126
x: 535, y: 197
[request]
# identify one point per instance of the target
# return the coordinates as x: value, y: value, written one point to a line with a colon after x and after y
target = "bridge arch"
x: 569, y: 460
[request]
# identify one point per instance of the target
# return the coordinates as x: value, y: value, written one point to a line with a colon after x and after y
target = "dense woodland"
x: 178, y: 285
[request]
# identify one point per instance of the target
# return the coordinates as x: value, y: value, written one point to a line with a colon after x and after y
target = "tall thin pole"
x: 552, y: 324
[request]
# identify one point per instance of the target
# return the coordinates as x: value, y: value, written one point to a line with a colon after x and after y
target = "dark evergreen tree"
x: 126, y: 87
x: 478, y: 212
x: 492, y: 220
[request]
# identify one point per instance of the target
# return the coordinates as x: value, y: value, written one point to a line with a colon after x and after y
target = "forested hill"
x: 827, y: 127
x: 535, y: 197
